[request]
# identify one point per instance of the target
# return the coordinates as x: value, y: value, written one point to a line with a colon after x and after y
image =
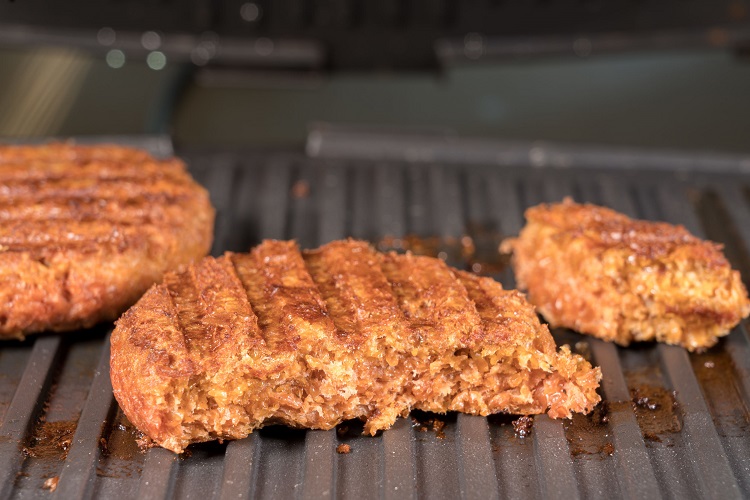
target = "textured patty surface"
x: 597, y: 271
x: 312, y: 338
x: 85, y: 230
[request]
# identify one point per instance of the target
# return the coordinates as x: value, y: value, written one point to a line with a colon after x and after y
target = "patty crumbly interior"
x: 86, y: 230
x: 599, y: 272
x: 309, y: 339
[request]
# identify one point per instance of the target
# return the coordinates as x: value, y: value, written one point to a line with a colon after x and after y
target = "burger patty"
x: 599, y: 272
x: 309, y: 339
x: 85, y: 230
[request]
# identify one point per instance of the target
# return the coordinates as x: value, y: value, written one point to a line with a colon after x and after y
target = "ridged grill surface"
x: 704, y: 454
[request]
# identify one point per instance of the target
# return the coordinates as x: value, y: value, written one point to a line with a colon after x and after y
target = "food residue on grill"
x: 343, y: 449
x: 51, y: 440
x: 522, y: 426
x: 476, y: 252
x: 350, y: 429
x: 342, y: 430
x: 51, y: 483
x: 717, y: 375
x: 656, y: 411
x: 300, y: 189
x: 124, y: 439
x: 588, y: 435
x: 424, y: 422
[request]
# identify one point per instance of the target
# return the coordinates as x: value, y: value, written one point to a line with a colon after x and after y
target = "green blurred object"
x: 686, y: 100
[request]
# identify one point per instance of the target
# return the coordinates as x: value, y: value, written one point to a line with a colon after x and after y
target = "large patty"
x: 312, y: 338
x: 84, y: 231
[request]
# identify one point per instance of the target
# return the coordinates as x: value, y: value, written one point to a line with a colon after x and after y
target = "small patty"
x: 599, y: 272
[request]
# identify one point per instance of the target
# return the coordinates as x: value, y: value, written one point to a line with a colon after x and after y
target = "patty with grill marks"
x: 309, y: 339
x: 597, y: 271
x: 86, y: 230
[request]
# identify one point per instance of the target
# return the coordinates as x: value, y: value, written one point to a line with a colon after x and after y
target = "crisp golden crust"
x: 84, y: 231
x: 313, y: 338
x: 599, y: 272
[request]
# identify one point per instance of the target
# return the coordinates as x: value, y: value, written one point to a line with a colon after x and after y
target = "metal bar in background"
x: 330, y: 141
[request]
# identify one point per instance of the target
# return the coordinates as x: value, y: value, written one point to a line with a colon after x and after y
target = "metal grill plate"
x: 49, y: 379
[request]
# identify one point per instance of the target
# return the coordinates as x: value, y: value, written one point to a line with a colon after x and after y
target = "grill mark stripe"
x: 291, y: 311
x: 70, y: 152
x: 184, y: 297
x: 94, y: 188
x: 32, y: 173
x: 362, y: 306
x: 118, y: 238
x: 55, y: 190
x: 357, y: 294
x: 215, y: 312
x: 86, y: 210
x: 433, y: 299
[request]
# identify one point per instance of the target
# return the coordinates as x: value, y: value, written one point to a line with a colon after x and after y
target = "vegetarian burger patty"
x: 600, y: 272
x: 312, y: 338
x: 85, y: 230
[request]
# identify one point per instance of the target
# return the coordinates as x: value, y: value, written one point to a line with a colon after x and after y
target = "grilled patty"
x: 312, y: 338
x: 85, y: 230
x: 597, y: 271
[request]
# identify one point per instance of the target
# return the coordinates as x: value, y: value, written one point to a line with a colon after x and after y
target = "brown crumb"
x: 608, y: 449
x: 522, y: 426
x: 650, y: 436
x: 103, y: 444
x: 144, y: 442
x: 343, y: 449
x: 430, y: 424
x: 300, y: 189
x: 51, y: 483
x: 342, y: 430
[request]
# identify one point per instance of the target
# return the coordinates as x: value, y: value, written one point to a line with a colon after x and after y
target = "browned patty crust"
x: 312, y: 338
x: 85, y: 230
x: 597, y: 271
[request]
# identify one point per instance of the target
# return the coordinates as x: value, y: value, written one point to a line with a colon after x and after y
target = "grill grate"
x: 51, y: 379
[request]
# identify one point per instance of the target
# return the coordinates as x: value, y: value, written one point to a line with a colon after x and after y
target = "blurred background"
x: 672, y: 75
